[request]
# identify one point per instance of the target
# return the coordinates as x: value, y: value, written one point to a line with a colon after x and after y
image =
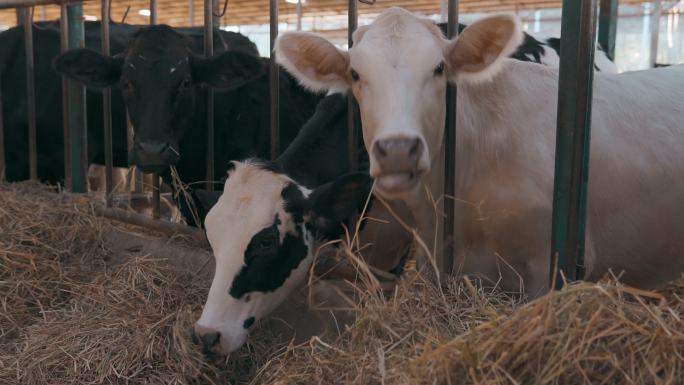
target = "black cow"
x: 160, y: 76
x: 49, y: 96
x: 50, y: 137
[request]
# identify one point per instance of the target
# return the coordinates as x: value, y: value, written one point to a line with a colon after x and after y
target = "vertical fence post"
x: 607, y: 30
x: 107, y: 106
x: 447, y: 260
x: 352, y: 106
x: 578, y: 27
x: 64, y: 46
x: 208, y: 52
x: 299, y: 14
x: 156, y: 201
x: 30, y: 93
x: 191, y: 13
x: 274, y: 82
x: 2, y: 140
x: 656, y: 10
x: 77, y: 106
x: 216, y: 19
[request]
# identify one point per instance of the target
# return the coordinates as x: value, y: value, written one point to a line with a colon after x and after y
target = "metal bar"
x: 156, y: 201
x: 30, y: 93
x: 191, y: 13
x: 6, y: 4
x: 64, y: 46
x: 299, y: 14
x: 274, y: 82
x: 216, y: 20
x: 77, y: 107
x: 447, y: 259
x: 208, y: 52
x: 578, y: 28
x: 137, y: 175
x: 655, y: 32
x: 21, y: 19
x: 352, y: 106
x: 153, y: 11
x: 3, y: 162
x: 607, y: 30
x: 136, y: 219
x: 107, y: 108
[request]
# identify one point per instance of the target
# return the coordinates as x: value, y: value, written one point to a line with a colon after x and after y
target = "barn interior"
x: 90, y: 300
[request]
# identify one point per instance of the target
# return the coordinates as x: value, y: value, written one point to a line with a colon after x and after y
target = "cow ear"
x: 477, y: 54
x: 314, y: 61
x: 227, y: 71
x: 333, y: 203
x: 89, y: 67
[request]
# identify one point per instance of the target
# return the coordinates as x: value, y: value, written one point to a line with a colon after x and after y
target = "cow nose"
x: 208, y: 337
x: 400, y: 153
x: 153, y: 148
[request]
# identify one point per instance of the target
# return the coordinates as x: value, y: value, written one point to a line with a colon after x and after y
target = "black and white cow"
x: 160, y: 74
x: 272, y: 217
x: 546, y: 50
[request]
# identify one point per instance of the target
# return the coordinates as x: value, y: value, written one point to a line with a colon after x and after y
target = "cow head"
x: 158, y: 76
x: 398, y: 69
x: 263, y: 231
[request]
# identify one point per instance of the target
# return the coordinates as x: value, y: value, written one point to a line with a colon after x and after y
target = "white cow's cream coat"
x: 506, y: 143
x: 505, y: 165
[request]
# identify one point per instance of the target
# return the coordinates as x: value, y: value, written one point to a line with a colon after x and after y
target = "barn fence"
x: 578, y: 35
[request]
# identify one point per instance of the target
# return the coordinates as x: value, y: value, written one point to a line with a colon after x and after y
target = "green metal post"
x: 446, y: 262
x: 77, y: 106
x: 2, y: 140
x: 607, y: 30
x: 578, y: 27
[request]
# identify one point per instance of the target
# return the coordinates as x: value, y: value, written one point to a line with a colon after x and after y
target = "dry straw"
x: 72, y: 313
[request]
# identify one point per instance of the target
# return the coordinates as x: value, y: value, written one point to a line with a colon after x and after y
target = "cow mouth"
x: 397, y: 182
x: 152, y: 168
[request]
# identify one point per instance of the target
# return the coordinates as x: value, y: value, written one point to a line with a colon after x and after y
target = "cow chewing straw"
x: 77, y: 308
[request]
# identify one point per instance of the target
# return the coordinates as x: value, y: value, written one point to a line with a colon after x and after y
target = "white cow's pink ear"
x: 477, y: 54
x: 314, y: 61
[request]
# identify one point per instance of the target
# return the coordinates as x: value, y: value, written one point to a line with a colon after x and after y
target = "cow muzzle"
x: 153, y: 156
x: 398, y: 167
x: 216, y: 343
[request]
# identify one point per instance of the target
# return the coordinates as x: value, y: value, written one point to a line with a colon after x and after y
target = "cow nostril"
x: 153, y: 148
x: 380, y: 149
x: 415, y: 147
x: 209, y: 340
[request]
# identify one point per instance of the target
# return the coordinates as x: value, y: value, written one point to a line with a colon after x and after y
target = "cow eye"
x: 439, y: 70
x: 127, y: 85
x: 266, y: 243
x: 354, y: 75
x: 185, y: 83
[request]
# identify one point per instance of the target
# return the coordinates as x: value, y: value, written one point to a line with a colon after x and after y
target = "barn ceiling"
x: 244, y: 12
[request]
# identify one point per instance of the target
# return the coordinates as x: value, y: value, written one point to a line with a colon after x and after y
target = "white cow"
x: 398, y: 70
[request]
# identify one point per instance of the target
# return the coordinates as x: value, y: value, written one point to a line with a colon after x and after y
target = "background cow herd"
x: 268, y: 218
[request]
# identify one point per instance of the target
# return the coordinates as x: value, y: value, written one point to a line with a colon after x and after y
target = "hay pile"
x: 586, y: 334
x: 74, y: 311
x: 71, y: 312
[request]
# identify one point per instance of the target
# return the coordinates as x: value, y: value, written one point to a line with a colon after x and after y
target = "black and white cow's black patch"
x: 268, y: 262
x: 530, y: 50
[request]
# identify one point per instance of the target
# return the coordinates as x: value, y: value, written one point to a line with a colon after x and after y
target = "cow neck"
x: 315, y: 153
